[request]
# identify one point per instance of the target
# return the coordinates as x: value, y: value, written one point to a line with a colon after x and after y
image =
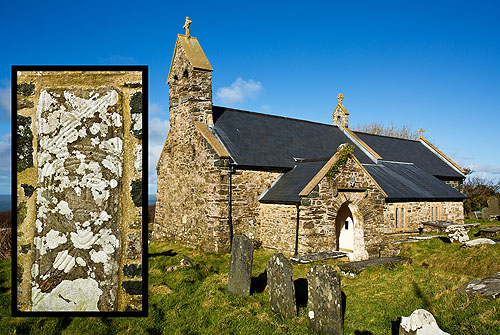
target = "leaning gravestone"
x: 240, y: 269
x: 281, y: 289
x: 493, y: 206
x: 324, y: 300
x: 420, y: 322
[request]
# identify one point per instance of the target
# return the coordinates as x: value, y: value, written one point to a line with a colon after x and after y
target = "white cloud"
x: 5, y: 95
x: 239, y: 91
x: 155, y: 108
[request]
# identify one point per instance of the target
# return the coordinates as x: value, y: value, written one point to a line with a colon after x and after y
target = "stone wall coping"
x: 212, y: 140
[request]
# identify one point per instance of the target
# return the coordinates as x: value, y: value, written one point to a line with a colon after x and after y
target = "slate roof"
x: 404, y: 181
x: 286, y: 189
x: 272, y: 142
x: 407, y: 171
x: 401, y: 150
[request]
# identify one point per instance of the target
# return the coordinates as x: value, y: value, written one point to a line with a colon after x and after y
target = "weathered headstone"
x: 485, y: 213
x: 493, y: 206
x: 420, y: 322
x: 281, y: 289
x: 324, y: 300
x: 457, y: 233
x: 490, y: 232
x: 240, y: 270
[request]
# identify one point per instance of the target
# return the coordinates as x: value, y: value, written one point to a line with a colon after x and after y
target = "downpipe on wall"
x: 229, y: 214
x: 297, y: 230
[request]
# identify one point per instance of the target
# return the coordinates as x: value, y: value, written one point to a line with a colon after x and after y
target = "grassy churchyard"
x: 194, y: 300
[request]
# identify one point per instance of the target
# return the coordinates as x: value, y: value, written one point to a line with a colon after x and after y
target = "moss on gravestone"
x: 26, y: 89
x: 24, y: 143
x: 136, y: 192
x: 136, y: 114
x: 28, y: 190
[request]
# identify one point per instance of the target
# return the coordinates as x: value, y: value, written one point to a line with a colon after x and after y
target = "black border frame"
x: 145, y: 98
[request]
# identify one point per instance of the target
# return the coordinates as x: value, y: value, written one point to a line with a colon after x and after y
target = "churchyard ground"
x: 194, y: 300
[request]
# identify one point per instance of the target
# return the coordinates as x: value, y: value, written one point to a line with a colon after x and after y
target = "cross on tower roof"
x: 340, y: 97
x: 186, y: 25
x: 421, y: 131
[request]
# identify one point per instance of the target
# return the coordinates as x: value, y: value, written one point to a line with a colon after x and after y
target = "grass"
x: 194, y: 300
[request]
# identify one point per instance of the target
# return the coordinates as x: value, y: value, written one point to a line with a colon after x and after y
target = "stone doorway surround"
x: 353, y: 241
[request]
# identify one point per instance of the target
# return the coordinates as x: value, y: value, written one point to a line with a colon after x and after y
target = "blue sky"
x: 434, y: 64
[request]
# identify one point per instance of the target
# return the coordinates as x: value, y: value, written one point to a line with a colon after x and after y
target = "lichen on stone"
x: 136, y: 114
x: 24, y: 143
x: 26, y: 89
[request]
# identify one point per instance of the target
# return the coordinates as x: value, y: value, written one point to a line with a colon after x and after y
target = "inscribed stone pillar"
x: 79, y: 190
x: 281, y: 289
x: 80, y: 136
x: 324, y: 300
x: 240, y: 270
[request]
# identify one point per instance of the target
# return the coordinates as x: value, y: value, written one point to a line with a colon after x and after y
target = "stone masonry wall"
x: 79, y: 190
x: 192, y: 189
x: 418, y: 212
x: 318, y: 212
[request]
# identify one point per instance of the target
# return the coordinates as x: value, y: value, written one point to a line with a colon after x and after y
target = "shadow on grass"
x: 362, y: 332
x: 258, y: 284
x: 395, y: 326
x: 170, y: 252
x: 420, y: 295
x: 300, y: 292
x: 444, y: 239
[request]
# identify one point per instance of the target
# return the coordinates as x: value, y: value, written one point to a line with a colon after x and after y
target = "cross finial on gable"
x: 186, y: 25
x: 421, y: 131
x: 340, y: 97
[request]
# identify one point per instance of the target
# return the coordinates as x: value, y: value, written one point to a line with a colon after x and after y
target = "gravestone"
x: 324, y: 300
x: 240, y: 269
x: 485, y: 213
x: 281, y: 289
x: 420, y: 322
x: 78, y: 208
x: 457, y: 233
x: 493, y: 206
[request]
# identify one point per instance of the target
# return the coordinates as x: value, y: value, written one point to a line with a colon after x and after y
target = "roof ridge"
x: 275, y: 116
x: 394, y: 137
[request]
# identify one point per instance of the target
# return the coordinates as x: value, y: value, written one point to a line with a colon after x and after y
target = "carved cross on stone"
x: 340, y: 97
x: 186, y: 25
x: 421, y: 131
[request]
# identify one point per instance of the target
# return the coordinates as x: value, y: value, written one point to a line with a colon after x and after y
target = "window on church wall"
x: 397, y: 217
x: 432, y: 213
x: 402, y: 224
x: 400, y: 216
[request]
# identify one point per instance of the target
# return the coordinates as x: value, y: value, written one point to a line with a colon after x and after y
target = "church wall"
x: 247, y: 186
x: 417, y: 212
x: 192, y: 193
x: 318, y: 212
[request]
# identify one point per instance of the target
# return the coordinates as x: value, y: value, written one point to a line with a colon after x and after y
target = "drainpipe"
x: 297, y: 230
x: 229, y: 215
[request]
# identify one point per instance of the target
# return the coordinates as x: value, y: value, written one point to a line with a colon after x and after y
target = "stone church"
x: 290, y: 185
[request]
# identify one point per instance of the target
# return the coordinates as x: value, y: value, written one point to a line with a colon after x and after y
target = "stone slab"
x: 77, y: 237
x: 324, y: 301
x: 357, y: 267
x: 281, y: 288
x: 420, y: 322
x: 240, y: 269
x: 319, y: 256
x: 478, y: 241
x: 490, y: 231
x: 488, y: 287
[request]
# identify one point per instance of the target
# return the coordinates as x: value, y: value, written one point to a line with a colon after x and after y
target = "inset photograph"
x: 79, y: 172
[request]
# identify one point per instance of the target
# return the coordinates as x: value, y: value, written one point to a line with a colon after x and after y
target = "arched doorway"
x: 349, y: 231
x: 344, y: 228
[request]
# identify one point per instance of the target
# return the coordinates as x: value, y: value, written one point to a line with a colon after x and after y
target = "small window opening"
x: 346, y: 225
x: 397, y: 217
x: 186, y: 73
x: 402, y: 217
